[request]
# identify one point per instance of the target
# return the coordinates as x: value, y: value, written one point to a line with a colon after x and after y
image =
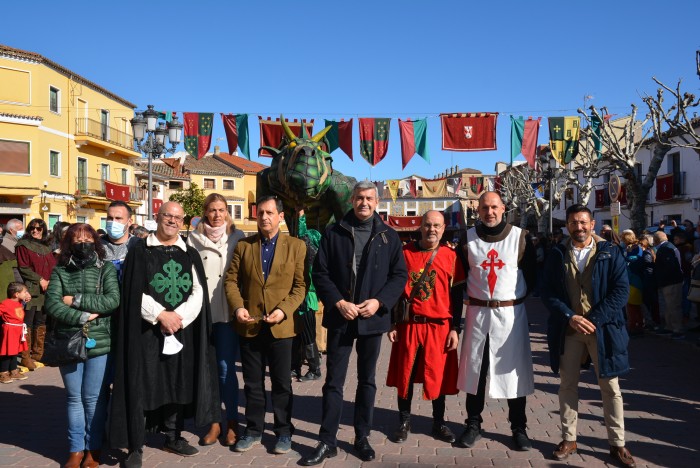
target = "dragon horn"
x: 287, y: 130
x: 321, y: 134
x: 304, y: 134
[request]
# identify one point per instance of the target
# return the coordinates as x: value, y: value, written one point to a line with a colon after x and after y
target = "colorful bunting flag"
x: 236, y: 128
x: 469, y: 132
x: 340, y: 136
x: 538, y: 187
x: 489, y: 184
x: 393, y: 185
x: 436, y: 188
x: 664, y: 187
x: 413, y: 140
x: 476, y: 184
x: 523, y: 138
x: 374, y: 139
x: 271, y: 132
x: 455, y: 183
x: 166, y: 115
x: 596, y: 125
x: 412, y: 187
x: 563, y: 138
x: 198, y: 133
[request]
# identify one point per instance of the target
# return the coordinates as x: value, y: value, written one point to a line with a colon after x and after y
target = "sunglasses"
x: 35, y: 228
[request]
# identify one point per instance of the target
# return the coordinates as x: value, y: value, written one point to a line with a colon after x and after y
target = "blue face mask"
x: 115, y: 229
x: 20, y: 233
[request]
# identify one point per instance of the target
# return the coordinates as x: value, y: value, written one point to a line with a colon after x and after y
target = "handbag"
x: 401, y: 313
x: 63, y: 347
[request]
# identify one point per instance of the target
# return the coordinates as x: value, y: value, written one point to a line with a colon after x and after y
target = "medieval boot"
x: 313, y: 357
x: 27, y: 360
x: 38, y: 343
x: 212, y: 436
x: 92, y: 459
x: 231, y: 433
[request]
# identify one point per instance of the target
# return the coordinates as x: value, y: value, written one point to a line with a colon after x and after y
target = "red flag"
x: 412, y: 187
x: 664, y: 187
x: 374, y: 139
x: 116, y: 191
x: 469, y: 132
x: 600, y: 198
x: 271, y: 132
x: 198, y: 128
x: 529, y: 150
x: 340, y: 136
x: 157, y: 203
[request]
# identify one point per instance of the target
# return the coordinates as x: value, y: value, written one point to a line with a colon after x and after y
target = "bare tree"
x: 675, y: 120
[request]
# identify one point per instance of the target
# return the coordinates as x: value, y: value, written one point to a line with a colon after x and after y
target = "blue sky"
x: 350, y: 59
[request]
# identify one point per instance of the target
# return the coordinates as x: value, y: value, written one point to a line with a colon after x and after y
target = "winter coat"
x: 35, y: 262
x: 82, y: 283
x: 383, y: 277
x: 610, y: 290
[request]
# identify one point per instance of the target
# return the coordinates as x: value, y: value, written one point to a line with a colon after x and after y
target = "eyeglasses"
x: 172, y: 217
x: 35, y: 228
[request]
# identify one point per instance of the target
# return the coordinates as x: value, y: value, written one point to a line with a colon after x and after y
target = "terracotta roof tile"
x: 208, y: 165
x: 21, y: 116
x: 242, y: 164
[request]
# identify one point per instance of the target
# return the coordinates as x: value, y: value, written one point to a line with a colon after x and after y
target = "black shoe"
x: 522, y: 441
x: 472, y: 433
x: 401, y: 433
x: 180, y: 446
x: 321, y: 452
x: 310, y: 375
x: 134, y: 459
x: 443, y: 433
x: 364, y: 450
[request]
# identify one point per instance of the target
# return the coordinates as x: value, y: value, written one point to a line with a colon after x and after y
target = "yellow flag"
x: 393, y: 185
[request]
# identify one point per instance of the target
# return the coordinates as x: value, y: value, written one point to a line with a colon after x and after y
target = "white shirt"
x: 581, y: 254
x: 188, y: 310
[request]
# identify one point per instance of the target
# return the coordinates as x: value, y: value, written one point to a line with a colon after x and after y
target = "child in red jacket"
x: 12, y: 334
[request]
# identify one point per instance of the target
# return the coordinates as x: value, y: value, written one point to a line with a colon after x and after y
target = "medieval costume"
x: 148, y: 382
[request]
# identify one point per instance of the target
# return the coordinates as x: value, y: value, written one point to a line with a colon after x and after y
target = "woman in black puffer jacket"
x: 84, y: 291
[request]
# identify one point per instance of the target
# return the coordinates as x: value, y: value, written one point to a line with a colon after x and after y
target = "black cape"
x: 128, y: 427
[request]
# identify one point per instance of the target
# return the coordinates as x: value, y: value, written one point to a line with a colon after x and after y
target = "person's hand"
x: 581, y: 324
x: 673, y: 223
x: 452, y: 341
x: 368, y: 308
x: 92, y: 317
x: 170, y: 322
x: 275, y: 317
x: 348, y: 310
x: 243, y: 316
x: 393, y: 334
x: 44, y: 284
x: 68, y: 300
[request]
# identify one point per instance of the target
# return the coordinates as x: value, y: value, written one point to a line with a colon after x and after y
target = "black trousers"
x: 475, y: 403
x: 338, y: 348
x: 173, y: 420
x: 405, y: 404
x: 276, y: 353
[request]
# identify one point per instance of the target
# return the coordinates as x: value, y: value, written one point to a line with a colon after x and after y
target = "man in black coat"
x: 359, y: 273
x: 165, y: 365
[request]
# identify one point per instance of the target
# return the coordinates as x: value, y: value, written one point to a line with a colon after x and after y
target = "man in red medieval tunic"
x: 424, y: 349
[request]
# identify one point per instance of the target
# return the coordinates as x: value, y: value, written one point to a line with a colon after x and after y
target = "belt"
x: 424, y: 319
x: 494, y: 303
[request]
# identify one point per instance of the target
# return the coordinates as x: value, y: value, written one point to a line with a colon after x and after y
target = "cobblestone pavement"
x: 661, y: 396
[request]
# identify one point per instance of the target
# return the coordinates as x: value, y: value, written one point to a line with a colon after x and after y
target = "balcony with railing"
x: 95, y: 133
x: 94, y: 187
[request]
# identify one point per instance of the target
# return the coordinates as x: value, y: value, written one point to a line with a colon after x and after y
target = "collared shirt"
x: 581, y: 254
x: 267, y: 253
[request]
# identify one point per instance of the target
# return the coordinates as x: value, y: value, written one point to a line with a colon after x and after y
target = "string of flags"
x: 460, y: 132
x: 437, y: 188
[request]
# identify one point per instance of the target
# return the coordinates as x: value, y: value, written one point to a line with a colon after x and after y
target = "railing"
x: 679, y: 184
x: 97, y: 129
x: 96, y: 187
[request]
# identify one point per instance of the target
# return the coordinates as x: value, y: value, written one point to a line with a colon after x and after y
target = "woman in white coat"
x: 215, y: 238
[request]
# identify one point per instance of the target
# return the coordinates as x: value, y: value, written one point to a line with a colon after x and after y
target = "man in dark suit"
x: 359, y: 273
x: 264, y: 287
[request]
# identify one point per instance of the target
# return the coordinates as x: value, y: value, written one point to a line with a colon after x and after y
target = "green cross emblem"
x: 173, y: 282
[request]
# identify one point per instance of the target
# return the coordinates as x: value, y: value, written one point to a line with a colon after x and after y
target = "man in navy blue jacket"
x: 586, y: 290
x: 359, y: 274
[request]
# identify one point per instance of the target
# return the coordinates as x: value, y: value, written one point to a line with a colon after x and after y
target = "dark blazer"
x: 284, y: 289
x: 610, y: 291
x: 382, y: 274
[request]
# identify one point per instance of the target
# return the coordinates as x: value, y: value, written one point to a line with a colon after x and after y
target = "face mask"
x: 84, y: 250
x: 20, y: 233
x: 115, y: 229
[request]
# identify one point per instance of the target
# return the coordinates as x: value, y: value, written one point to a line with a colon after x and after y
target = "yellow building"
x: 65, y: 143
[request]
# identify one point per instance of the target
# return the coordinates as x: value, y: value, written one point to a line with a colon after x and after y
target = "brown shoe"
x: 231, y: 434
x: 5, y: 377
x: 17, y: 375
x: 564, y: 449
x: 623, y: 456
x: 74, y: 460
x: 27, y: 361
x: 92, y: 459
x: 212, y: 436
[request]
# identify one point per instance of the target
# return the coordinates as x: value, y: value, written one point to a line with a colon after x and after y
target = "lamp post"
x: 150, y: 138
x: 547, y: 164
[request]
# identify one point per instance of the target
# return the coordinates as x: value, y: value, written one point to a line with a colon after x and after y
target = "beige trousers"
x: 575, y: 349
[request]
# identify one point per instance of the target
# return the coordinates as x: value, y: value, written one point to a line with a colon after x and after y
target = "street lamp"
x: 150, y: 138
x: 548, y: 165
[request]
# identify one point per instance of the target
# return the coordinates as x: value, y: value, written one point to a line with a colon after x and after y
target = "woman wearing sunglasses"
x: 35, y: 263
